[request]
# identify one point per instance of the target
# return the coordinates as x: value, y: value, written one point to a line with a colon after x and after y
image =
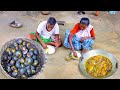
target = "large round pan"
x: 92, y: 53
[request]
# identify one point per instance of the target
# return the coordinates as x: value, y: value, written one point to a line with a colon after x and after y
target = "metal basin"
x: 43, y: 58
x: 92, y: 53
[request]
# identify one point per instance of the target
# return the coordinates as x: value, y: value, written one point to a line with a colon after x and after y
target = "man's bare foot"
x: 31, y: 36
x: 59, y: 44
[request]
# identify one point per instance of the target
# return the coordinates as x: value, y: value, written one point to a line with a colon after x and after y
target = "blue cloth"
x: 77, y: 44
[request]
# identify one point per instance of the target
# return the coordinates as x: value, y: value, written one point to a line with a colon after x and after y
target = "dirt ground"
x: 107, y: 38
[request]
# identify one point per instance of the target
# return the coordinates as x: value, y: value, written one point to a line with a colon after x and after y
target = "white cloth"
x: 84, y: 33
x: 44, y: 33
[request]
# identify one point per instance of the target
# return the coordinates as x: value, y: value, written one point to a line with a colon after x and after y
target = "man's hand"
x: 44, y: 46
x: 56, y: 44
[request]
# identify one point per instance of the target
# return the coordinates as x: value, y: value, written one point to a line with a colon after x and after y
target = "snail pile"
x: 21, y: 59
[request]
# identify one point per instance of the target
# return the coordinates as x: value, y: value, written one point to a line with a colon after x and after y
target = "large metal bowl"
x: 92, y: 53
x: 43, y: 58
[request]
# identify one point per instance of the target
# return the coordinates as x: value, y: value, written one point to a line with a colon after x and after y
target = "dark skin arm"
x: 38, y: 37
x: 56, y: 37
x: 50, y: 43
x: 84, y: 38
x: 70, y: 41
x: 56, y: 41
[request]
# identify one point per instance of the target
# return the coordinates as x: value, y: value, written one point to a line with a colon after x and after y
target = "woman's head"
x: 51, y: 23
x: 84, y: 23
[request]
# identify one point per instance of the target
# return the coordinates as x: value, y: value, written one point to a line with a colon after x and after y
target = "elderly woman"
x: 81, y: 37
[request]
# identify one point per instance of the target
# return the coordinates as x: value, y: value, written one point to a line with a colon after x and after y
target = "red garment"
x: 77, y: 28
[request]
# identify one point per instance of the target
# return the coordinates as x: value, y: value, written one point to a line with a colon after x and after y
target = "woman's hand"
x: 84, y: 38
x: 74, y: 53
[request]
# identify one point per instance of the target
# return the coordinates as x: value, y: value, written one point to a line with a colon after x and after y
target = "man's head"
x: 84, y: 23
x: 51, y: 23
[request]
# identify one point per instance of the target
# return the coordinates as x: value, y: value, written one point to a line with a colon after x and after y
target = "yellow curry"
x: 98, y: 66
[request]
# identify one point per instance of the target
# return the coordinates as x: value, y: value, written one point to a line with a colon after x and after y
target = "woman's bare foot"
x: 83, y: 52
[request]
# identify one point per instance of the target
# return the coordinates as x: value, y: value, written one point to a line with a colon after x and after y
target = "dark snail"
x: 21, y: 60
